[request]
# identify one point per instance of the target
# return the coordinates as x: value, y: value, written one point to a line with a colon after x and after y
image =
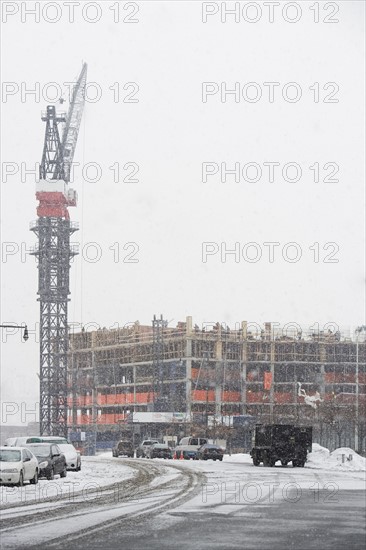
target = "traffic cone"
x: 181, y: 455
x: 175, y: 455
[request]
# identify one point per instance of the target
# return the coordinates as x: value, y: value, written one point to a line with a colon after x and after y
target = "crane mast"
x: 53, y: 229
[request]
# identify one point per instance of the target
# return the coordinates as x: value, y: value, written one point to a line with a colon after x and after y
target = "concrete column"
x: 218, y: 399
x: 243, y: 360
x: 322, y: 380
x: 188, y: 361
x: 271, y: 391
x: 94, y: 409
x: 322, y: 353
x: 189, y: 325
x: 75, y: 390
x: 219, y: 373
x: 134, y: 386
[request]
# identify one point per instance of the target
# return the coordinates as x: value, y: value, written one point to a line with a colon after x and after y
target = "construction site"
x: 155, y: 379
x: 205, y: 380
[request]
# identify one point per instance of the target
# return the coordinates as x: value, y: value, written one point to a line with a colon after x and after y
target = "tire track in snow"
x: 139, y: 496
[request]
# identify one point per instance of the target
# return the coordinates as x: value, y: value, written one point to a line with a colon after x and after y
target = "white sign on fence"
x: 159, y: 417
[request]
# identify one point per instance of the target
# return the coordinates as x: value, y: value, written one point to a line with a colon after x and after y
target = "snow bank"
x: 238, y: 457
x: 341, y: 459
x: 320, y: 458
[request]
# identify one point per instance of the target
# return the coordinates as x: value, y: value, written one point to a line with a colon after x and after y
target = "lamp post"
x: 23, y: 326
x: 358, y: 331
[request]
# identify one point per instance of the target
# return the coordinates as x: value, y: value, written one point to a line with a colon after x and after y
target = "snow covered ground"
x: 343, y: 459
x: 158, y: 494
x: 101, y: 471
x: 96, y: 474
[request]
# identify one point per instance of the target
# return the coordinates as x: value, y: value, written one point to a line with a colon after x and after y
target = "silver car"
x: 17, y: 465
x: 73, y: 458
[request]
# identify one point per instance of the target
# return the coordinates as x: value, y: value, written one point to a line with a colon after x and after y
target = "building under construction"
x: 212, y: 373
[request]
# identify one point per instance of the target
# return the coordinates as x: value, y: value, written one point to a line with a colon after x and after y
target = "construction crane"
x: 53, y: 229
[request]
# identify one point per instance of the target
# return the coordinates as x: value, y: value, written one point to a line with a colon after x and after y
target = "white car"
x: 20, y: 441
x: 10, y: 442
x: 73, y: 458
x: 17, y: 465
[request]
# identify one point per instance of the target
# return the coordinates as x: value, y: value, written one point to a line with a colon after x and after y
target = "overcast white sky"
x: 169, y: 133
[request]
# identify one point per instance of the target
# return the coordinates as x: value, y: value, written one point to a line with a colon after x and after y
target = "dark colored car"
x: 51, y: 459
x: 208, y: 451
x: 123, y: 448
x: 141, y: 451
x: 159, y: 450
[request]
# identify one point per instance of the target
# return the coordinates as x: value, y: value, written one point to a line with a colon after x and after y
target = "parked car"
x: 124, y: 447
x: 159, y: 450
x: 73, y: 457
x: 143, y: 447
x: 188, y: 447
x: 18, y: 465
x: 208, y: 451
x: 20, y: 441
x: 48, y: 439
x: 51, y: 460
x: 10, y: 442
x: 193, y: 441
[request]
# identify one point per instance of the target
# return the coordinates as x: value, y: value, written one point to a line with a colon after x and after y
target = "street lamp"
x: 358, y: 331
x: 23, y: 326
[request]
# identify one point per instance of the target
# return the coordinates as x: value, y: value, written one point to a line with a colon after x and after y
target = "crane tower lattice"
x: 53, y: 229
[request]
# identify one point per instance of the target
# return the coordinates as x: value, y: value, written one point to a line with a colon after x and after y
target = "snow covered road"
x: 141, y: 485
x: 158, y: 504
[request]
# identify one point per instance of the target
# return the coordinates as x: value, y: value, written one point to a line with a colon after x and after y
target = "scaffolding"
x: 160, y: 397
x: 214, y: 372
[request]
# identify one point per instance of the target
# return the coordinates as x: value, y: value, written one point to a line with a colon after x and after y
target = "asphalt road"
x: 305, y: 525
x: 196, y: 505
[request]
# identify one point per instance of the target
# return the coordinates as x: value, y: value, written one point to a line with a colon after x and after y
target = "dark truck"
x: 283, y: 442
x: 124, y: 447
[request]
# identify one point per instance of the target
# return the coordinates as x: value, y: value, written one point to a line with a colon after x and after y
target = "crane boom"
x: 73, y: 120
